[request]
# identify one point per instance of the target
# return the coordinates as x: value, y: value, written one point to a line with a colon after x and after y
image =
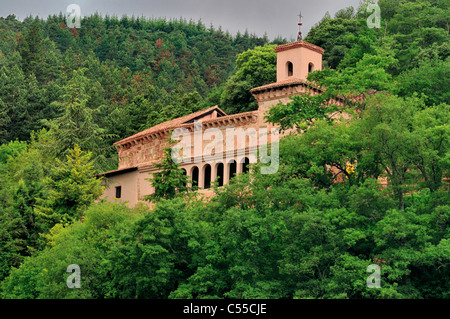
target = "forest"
x: 66, y: 95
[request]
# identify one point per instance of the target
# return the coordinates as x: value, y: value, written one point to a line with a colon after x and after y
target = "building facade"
x: 240, y: 134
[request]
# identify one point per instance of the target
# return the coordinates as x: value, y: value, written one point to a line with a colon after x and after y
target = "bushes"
x: 83, y: 243
x: 221, y: 249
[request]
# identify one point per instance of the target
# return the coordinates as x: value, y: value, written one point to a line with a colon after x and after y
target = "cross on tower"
x: 299, y: 37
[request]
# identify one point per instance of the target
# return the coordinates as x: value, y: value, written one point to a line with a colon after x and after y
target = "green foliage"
x: 310, y: 230
x: 90, y: 88
x: 72, y: 187
x: 84, y: 243
x: 161, y: 249
x: 76, y: 125
x: 300, y: 112
x: 405, y: 56
x: 295, y: 251
x: 393, y: 137
x: 430, y: 78
x: 370, y: 73
x: 283, y: 239
x: 170, y: 180
x: 30, y: 48
x: 253, y: 68
x: 110, y: 80
x: 12, y: 149
x: 330, y: 34
x: 22, y: 104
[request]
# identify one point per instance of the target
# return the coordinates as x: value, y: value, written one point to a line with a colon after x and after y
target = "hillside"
x: 305, y: 231
x: 137, y: 72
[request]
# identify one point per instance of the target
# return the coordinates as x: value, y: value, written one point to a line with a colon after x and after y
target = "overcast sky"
x: 274, y: 17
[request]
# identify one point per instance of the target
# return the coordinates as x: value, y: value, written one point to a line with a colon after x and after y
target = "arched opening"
x: 246, y: 165
x: 207, y: 169
x: 195, y: 176
x: 310, y: 67
x: 290, y: 68
x: 232, y: 168
x: 220, y: 174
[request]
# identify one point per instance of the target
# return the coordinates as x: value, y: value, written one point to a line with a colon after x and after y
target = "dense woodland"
x: 304, y: 232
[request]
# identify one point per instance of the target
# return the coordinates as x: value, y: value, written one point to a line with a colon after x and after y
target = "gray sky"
x: 275, y: 17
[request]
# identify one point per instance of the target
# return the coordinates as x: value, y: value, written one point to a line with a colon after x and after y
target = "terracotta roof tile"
x: 185, y: 121
x: 169, y: 124
x: 299, y: 44
x: 225, y: 118
x: 117, y: 171
x: 292, y: 81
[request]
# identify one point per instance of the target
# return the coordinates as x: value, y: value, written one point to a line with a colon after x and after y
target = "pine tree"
x: 170, y: 180
x: 31, y: 50
x: 72, y: 186
x: 77, y: 126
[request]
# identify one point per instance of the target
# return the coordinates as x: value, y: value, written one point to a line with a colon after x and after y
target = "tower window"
x: 310, y: 68
x: 118, y: 191
x: 290, y: 69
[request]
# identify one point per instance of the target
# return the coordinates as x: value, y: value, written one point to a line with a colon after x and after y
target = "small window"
x: 118, y: 191
x: 290, y: 68
x: 310, y: 68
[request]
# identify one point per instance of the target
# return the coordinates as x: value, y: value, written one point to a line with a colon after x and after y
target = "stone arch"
x: 195, y: 176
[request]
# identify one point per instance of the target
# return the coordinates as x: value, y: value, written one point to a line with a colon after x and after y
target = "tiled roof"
x: 227, y: 117
x: 299, y: 44
x: 292, y: 81
x: 168, y: 125
x: 117, y: 171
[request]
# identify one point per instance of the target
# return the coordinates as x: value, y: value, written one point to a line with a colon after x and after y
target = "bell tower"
x: 295, y: 61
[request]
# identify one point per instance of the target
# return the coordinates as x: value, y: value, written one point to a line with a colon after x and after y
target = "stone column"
x: 239, y: 164
x: 188, y: 175
x: 226, y: 173
x: 214, y: 172
x: 201, y: 176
